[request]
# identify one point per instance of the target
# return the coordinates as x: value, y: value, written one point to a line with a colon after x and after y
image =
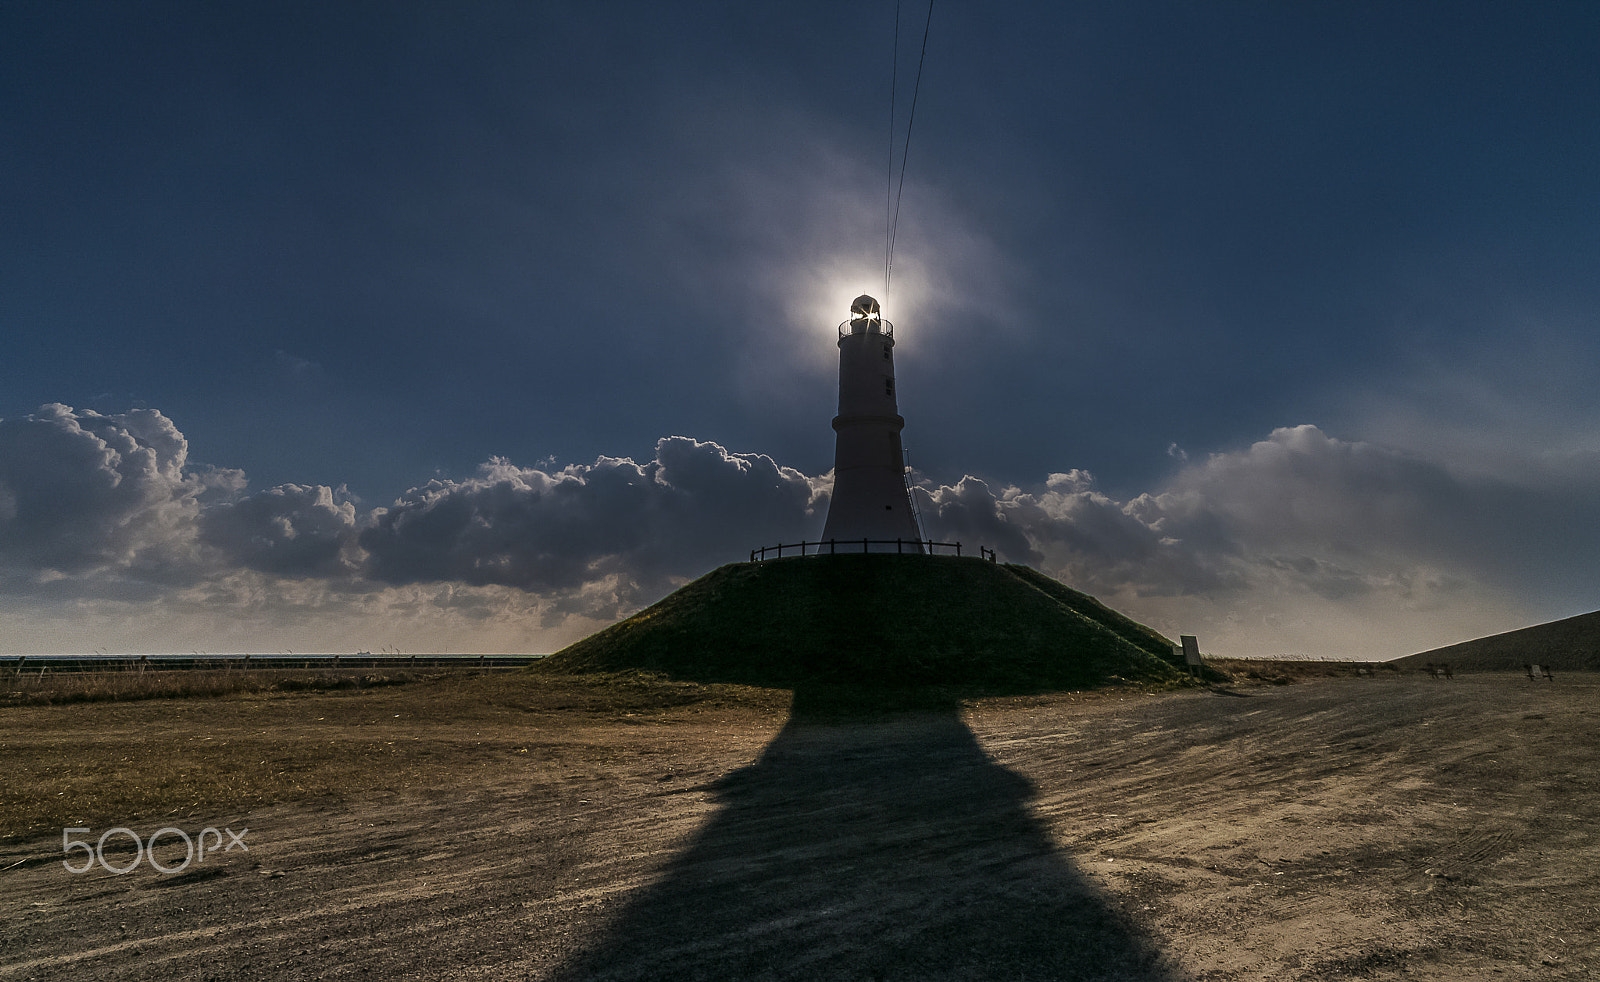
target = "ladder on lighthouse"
x: 916, y: 512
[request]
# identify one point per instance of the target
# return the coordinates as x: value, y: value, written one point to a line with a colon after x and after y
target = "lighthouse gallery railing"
x: 831, y: 547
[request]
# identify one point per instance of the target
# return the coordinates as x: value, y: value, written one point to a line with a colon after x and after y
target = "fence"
x: 832, y: 547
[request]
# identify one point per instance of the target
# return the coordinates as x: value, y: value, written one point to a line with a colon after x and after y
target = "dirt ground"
x: 1363, y: 828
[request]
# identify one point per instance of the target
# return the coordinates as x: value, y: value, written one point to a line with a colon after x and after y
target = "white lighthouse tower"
x: 870, y: 498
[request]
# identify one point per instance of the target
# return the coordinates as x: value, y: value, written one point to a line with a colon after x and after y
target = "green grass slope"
x: 1117, y: 623
x: 881, y: 620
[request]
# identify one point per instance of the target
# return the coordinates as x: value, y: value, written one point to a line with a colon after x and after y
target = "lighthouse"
x: 870, y: 497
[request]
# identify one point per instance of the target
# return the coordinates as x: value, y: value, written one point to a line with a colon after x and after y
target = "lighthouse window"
x: 888, y: 386
x: 886, y: 352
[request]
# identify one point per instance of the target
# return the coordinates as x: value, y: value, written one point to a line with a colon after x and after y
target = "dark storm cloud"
x: 694, y: 506
x: 289, y: 531
x: 970, y: 513
x: 80, y: 492
x: 97, y: 499
x: 1072, y: 530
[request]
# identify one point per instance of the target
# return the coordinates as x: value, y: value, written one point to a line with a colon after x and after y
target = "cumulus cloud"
x: 104, y: 519
x: 290, y: 530
x: 970, y: 512
x: 1292, y: 530
x: 1299, y: 543
x: 601, y: 536
x: 1071, y: 530
x: 82, y: 492
x: 1293, y: 505
x: 1386, y: 515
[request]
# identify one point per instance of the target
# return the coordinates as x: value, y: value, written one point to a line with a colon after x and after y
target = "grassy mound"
x: 880, y: 620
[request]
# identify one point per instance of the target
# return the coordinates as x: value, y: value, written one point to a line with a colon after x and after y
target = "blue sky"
x: 475, y: 326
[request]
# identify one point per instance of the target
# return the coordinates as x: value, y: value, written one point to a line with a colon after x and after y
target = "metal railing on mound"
x: 834, y: 547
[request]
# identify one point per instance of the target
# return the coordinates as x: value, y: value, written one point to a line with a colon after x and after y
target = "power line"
x: 888, y: 192
x: 916, y: 88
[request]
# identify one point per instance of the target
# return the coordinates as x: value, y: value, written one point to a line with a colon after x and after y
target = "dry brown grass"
x: 1282, y: 671
x: 52, y: 688
x: 99, y: 752
x: 104, y: 761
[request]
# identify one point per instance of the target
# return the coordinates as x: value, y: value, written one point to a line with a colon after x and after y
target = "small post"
x: 958, y: 550
x: 899, y: 547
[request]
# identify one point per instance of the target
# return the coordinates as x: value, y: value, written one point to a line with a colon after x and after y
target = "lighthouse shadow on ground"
x: 871, y: 845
